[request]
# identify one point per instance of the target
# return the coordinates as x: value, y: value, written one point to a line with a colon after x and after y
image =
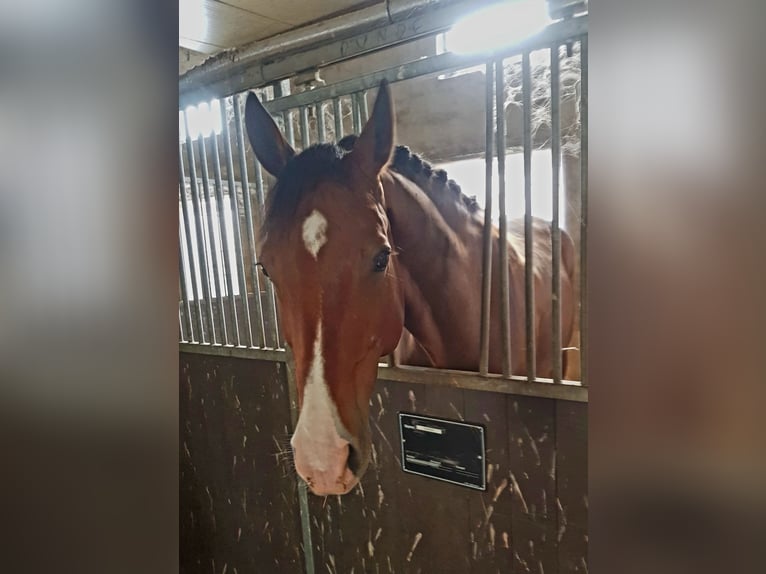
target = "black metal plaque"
x: 442, y: 449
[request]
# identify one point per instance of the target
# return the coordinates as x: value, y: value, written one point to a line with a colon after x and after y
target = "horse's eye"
x: 380, y: 263
x: 263, y: 269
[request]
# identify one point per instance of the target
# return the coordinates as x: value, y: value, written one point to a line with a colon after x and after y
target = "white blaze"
x: 315, y: 232
x: 317, y: 428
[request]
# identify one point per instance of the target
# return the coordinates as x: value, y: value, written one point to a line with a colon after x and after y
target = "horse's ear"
x: 373, y: 148
x: 270, y: 147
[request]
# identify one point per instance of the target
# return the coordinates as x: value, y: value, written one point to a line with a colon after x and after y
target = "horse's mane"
x: 415, y: 168
x: 322, y: 162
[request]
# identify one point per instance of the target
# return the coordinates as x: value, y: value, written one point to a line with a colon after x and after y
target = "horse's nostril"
x: 353, y: 459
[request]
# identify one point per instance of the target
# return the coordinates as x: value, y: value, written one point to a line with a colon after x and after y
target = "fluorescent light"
x: 498, y: 26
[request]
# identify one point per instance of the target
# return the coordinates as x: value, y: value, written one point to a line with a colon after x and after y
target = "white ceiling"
x: 209, y: 26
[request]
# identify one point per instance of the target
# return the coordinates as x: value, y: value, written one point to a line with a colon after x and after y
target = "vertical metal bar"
x: 365, y: 110
x: 303, y: 502
x: 185, y: 303
x: 287, y: 117
x: 213, y: 247
x: 185, y: 306
x: 181, y: 336
x: 584, y: 211
x: 486, y: 277
x: 321, y: 128
x: 227, y: 267
x: 270, y: 305
x: 357, y: 122
x: 201, y: 248
x: 505, y: 288
x: 529, y: 278
x: 194, y: 268
x: 338, y: 117
x: 305, y: 138
x: 234, y: 207
x: 252, y: 264
x: 555, y: 223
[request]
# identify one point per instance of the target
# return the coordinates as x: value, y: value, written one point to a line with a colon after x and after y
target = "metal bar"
x: 421, y: 375
x: 338, y: 118
x: 529, y: 278
x: 505, y: 288
x: 303, y: 502
x: 584, y: 211
x: 320, y: 44
x: 185, y: 304
x: 233, y: 206
x: 486, y: 275
x: 252, y: 264
x: 201, y: 249
x: 305, y: 138
x: 181, y: 336
x: 365, y: 110
x: 227, y: 267
x: 194, y: 268
x: 562, y: 31
x: 212, y: 243
x: 287, y: 117
x: 270, y: 305
x: 321, y: 128
x: 555, y: 223
x: 357, y: 122
x: 257, y: 353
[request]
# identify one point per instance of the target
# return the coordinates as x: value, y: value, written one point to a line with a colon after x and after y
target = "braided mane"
x: 419, y: 171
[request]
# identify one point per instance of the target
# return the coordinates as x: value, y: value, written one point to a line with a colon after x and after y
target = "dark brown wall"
x: 239, y: 505
x: 532, y: 518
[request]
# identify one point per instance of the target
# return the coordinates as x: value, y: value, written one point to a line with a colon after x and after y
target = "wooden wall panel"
x: 532, y: 518
x: 532, y: 448
x: 491, y: 526
x: 572, y: 486
x: 239, y: 508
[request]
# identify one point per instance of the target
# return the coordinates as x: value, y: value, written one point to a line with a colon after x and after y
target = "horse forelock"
x: 301, y: 175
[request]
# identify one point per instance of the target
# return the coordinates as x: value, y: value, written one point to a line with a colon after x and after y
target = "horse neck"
x: 438, y: 244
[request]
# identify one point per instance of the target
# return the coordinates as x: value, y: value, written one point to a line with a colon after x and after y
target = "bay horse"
x: 371, y: 251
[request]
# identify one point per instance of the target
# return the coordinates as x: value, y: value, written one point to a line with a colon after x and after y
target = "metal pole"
x: 270, y: 305
x: 357, y: 122
x: 213, y: 246
x: 185, y: 309
x: 235, y: 222
x: 338, y: 117
x: 486, y: 276
x: 529, y: 278
x: 305, y: 138
x: 287, y: 117
x: 303, y: 503
x: 248, y: 214
x: 181, y: 336
x: 321, y: 128
x: 584, y: 211
x: 505, y: 288
x: 365, y: 110
x: 231, y: 62
x: 555, y: 223
x: 194, y: 268
x: 228, y: 274
x: 201, y: 248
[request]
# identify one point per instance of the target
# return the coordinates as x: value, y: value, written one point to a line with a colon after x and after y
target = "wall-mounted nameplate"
x: 442, y: 449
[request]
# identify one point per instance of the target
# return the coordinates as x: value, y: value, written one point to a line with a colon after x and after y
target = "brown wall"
x: 533, y: 516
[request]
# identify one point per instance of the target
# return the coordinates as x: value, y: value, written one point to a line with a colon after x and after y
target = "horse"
x: 372, y: 252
